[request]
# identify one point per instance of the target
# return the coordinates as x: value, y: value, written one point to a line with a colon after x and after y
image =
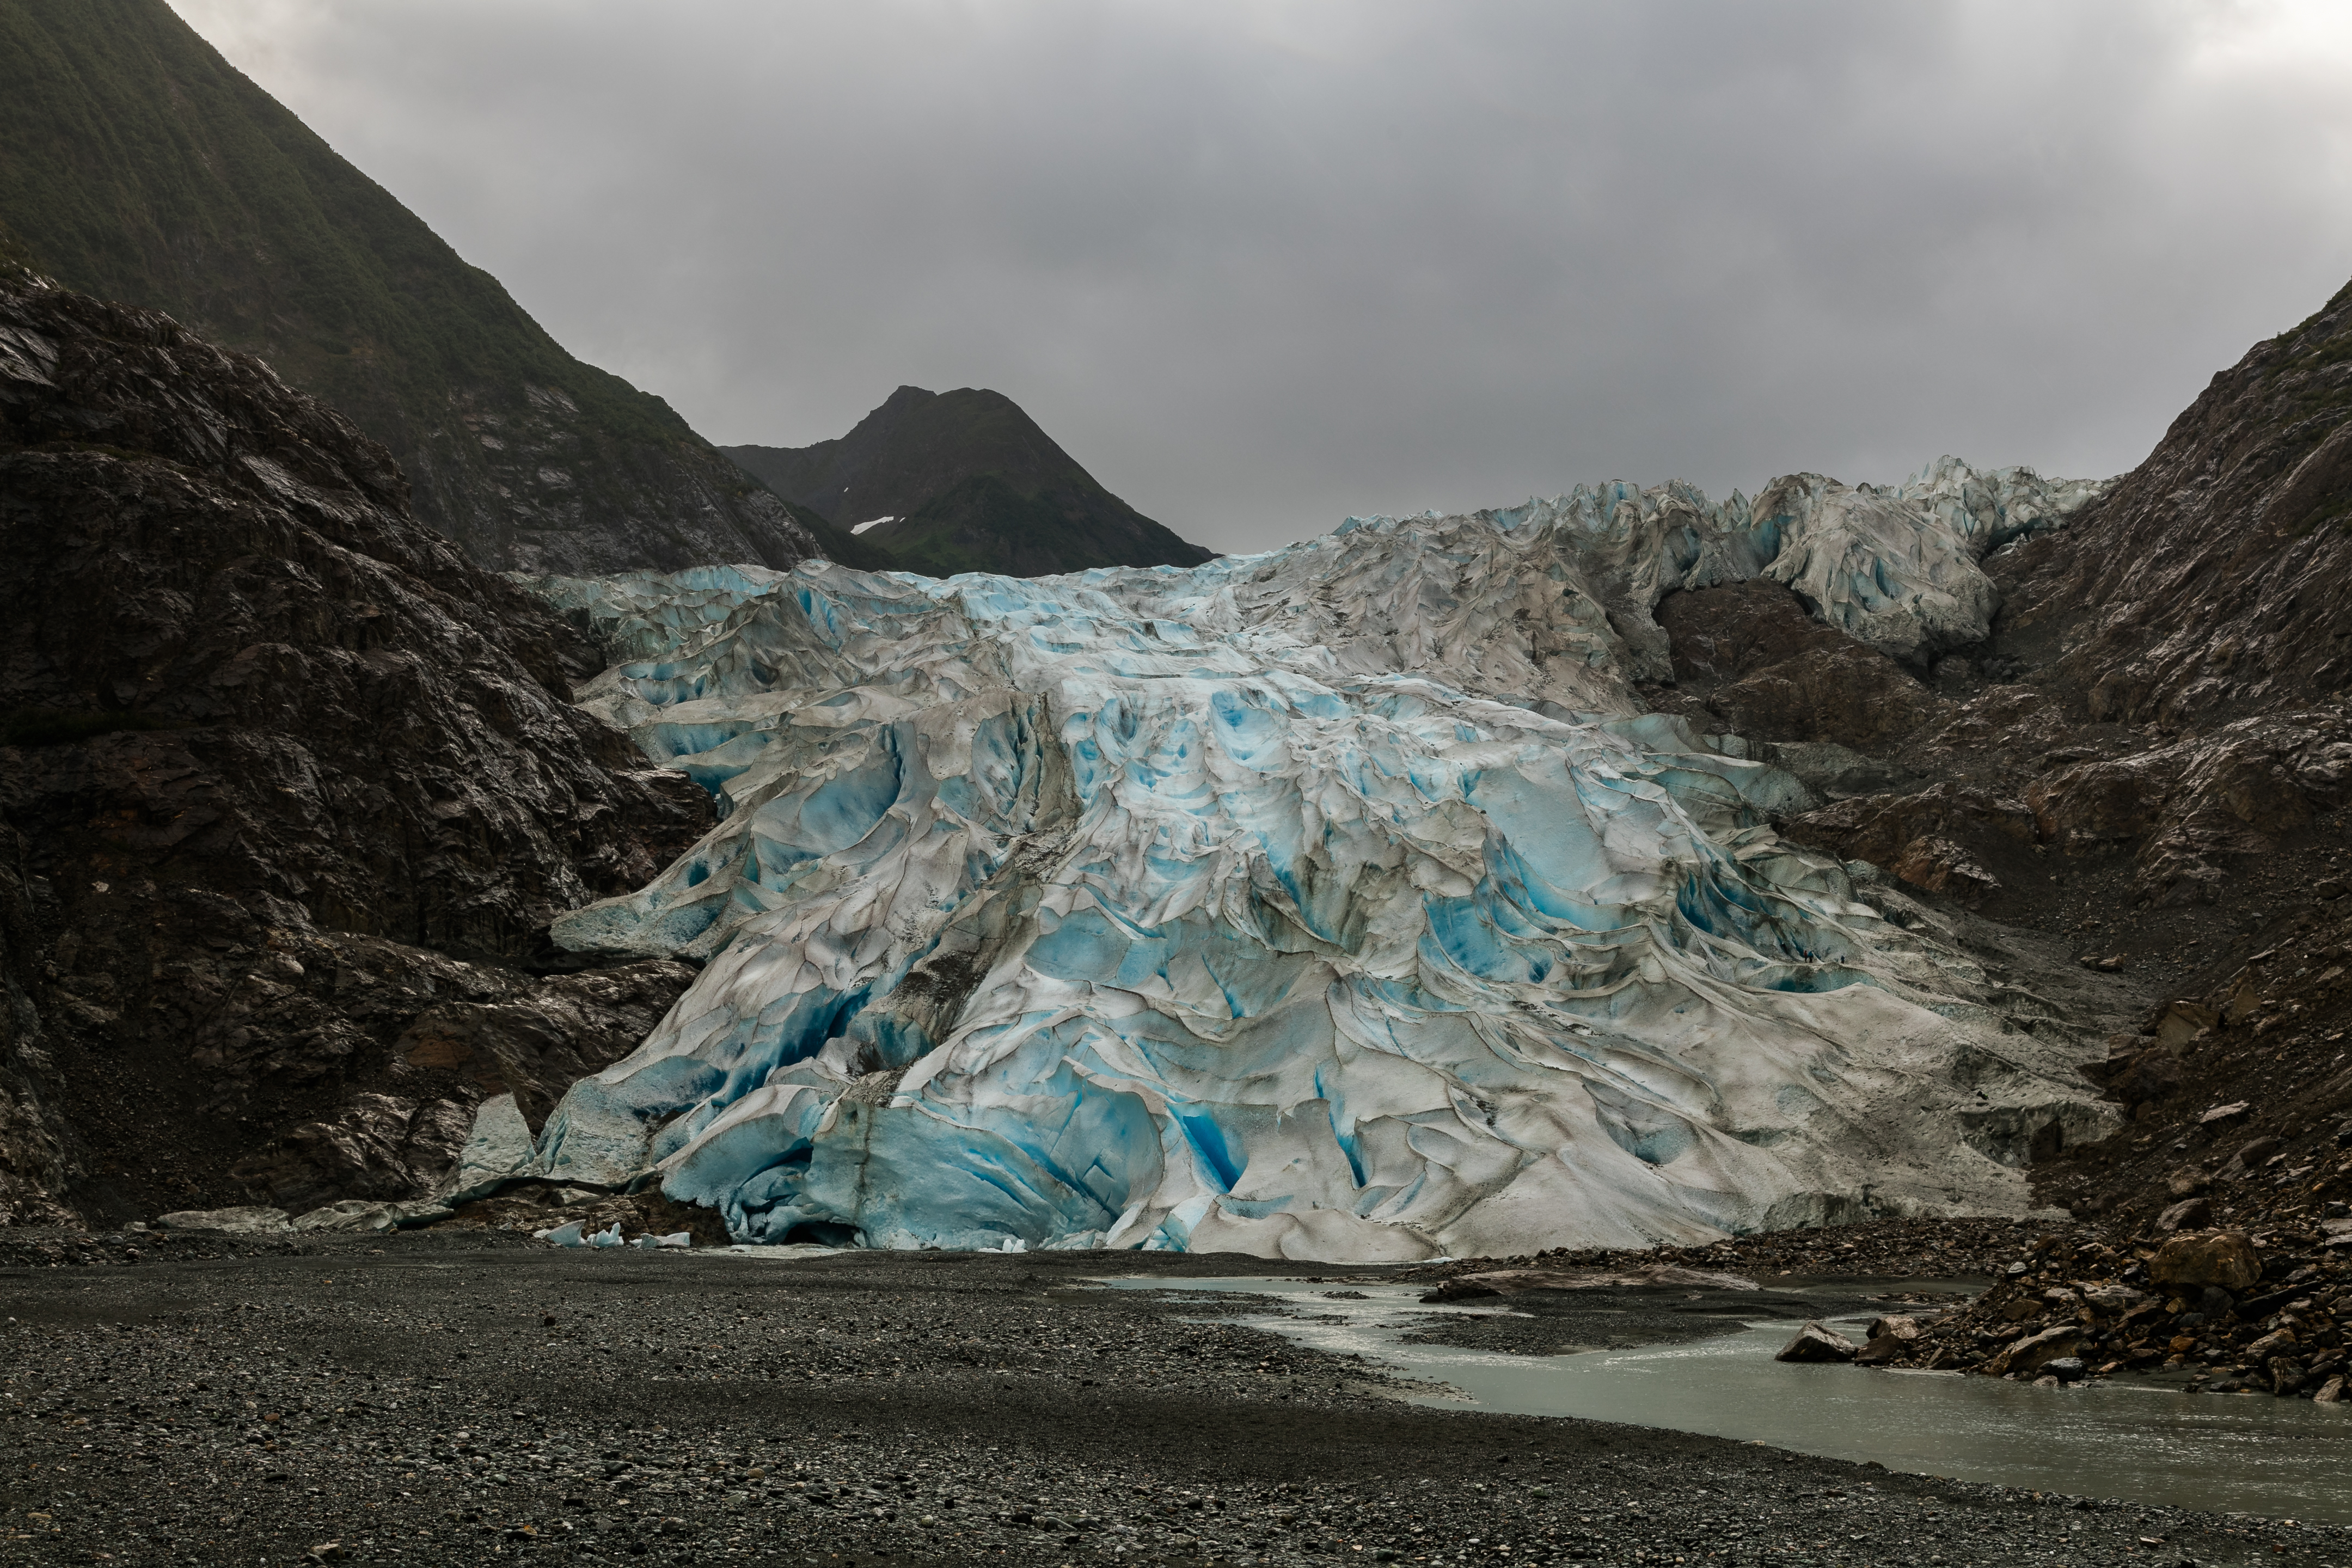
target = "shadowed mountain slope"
x: 288, y: 787
x: 137, y: 164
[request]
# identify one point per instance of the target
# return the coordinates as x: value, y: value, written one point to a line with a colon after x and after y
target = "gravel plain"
x: 461, y: 1397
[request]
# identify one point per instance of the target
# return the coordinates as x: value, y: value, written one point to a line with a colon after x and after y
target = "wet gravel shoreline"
x: 435, y: 1399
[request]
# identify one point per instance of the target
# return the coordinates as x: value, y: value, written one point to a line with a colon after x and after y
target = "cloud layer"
x: 1259, y: 265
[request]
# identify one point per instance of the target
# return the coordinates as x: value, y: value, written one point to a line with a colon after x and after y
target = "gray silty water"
x: 2126, y: 1439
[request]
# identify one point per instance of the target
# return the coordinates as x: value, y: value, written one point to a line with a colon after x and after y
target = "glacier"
x: 1338, y: 902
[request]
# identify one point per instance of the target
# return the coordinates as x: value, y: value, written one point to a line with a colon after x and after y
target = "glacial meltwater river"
x: 2124, y: 1438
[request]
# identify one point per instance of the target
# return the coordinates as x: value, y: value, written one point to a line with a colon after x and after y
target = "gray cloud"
x: 1262, y: 264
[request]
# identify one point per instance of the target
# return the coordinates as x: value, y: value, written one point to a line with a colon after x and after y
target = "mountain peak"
x: 969, y: 482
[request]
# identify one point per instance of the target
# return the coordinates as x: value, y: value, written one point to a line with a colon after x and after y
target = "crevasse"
x: 1334, y: 902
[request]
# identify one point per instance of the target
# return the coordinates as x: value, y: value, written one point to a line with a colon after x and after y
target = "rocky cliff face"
x: 2210, y: 585
x: 137, y: 164
x: 2150, y: 754
x: 528, y: 480
x: 289, y: 789
x: 965, y: 481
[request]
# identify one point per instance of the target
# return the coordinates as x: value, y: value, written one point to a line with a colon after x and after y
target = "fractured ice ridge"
x: 1335, y: 902
x: 1896, y: 567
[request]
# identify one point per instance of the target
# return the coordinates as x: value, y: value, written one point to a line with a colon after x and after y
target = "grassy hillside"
x: 138, y: 164
x: 970, y: 484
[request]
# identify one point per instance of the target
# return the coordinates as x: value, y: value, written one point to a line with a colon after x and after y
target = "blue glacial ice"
x: 1337, y: 903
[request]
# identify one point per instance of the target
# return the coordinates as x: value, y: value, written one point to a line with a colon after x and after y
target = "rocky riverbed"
x: 456, y: 1396
x: 1906, y: 1249
x: 2229, y: 1310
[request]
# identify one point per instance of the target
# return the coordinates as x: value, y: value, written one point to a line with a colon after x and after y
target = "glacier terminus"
x: 1337, y: 902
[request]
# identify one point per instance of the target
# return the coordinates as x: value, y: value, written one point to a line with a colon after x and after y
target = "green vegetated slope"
x: 138, y: 164
x: 970, y: 484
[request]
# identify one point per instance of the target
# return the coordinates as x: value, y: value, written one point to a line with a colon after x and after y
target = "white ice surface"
x: 1335, y: 902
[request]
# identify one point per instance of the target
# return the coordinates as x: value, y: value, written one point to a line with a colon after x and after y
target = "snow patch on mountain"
x: 1335, y: 902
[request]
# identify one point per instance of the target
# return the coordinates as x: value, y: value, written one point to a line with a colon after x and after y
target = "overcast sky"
x: 1260, y: 266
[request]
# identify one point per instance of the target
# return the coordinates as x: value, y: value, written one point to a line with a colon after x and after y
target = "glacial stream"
x: 2122, y: 1440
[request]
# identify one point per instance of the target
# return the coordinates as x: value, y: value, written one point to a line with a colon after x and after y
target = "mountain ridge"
x: 142, y: 167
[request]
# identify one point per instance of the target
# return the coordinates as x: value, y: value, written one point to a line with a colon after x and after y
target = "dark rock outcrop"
x: 2192, y: 619
x: 438, y: 1034
x: 1816, y: 1343
x: 1767, y: 670
x: 2225, y: 1259
x: 2185, y: 808
x: 297, y: 785
x: 970, y: 484
x: 1947, y: 839
x: 2210, y: 585
x: 2028, y: 1356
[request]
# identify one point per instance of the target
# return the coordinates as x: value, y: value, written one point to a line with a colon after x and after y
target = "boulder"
x: 2098, y: 805
x: 2246, y: 998
x: 2066, y: 1369
x: 2182, y: 1022
x: 1891, y: 1338
x: 1779, y: 675
x: 2189, y: 1182
x: 1816, y: 1343
x: 360, y: 1214
x: 2189, y: 1213
x: 2029, y: 1355
x: 1884, y: 829
x: 377, y: 1146
x: 2252, y: 1156
x: 2272, y: 1345
x: 1941, y: 866
x: 2150, y: 1074
x: 245, y: 1221
x: 2224, y: 1258
x: 351, y: 1214
x: 499, y: 1150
